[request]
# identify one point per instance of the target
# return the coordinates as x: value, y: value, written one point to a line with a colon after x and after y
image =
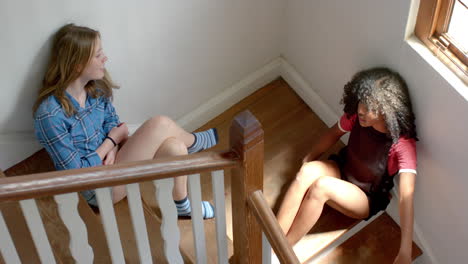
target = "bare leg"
x: 145, y: 143
x: 306, y: 176
x: 175, y: 147
x: 341, y: 195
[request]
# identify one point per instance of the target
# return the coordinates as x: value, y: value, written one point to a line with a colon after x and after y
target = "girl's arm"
x: 111, y: 119
x: 324, y: 142
x: 105, y: 148
x: 407, y: 183
x: 54, y: 136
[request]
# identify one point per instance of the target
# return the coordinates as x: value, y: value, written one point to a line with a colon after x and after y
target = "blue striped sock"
x: 185, y: 210
x: 204, y: 140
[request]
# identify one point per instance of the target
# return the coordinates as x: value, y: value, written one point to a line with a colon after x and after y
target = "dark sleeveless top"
x: 366, y: 158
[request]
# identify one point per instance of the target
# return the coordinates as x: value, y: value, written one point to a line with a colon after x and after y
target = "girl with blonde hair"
x: 75, y: 121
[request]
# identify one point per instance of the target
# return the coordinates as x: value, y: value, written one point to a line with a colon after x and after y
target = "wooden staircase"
x: 290, y: 128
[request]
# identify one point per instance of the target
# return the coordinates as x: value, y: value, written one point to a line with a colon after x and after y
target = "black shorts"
x: 378, y: 200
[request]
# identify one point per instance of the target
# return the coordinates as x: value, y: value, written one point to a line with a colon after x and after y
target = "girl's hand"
x: 119, y: 133
x: 110, y: 157
x: 402, y: 258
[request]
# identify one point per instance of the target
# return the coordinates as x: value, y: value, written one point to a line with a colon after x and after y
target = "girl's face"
x: 94, y: 70
x: 368, y: 118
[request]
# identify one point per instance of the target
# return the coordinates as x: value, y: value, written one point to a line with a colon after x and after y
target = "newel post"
x: 246, y: 139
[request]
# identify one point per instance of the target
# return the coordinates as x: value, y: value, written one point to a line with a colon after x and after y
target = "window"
x: 443, y: 26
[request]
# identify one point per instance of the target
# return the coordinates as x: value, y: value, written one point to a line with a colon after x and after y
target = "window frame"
x: 431, y: 26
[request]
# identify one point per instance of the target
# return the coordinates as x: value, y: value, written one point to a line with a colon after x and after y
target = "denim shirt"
x: 71, y: 141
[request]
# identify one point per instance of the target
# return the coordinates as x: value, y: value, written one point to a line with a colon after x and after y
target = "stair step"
x: 378, y: 242
x: 329, y: 228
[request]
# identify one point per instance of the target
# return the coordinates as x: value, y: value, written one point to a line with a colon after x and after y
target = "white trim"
x: 407, y: 170
x: 231, y: 96
x: 310, y: 97
x: 308, y: 94
x: 342, y: 129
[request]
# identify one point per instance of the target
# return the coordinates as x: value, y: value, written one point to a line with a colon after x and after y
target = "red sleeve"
x: 403, y: 156
x: 346, y: 122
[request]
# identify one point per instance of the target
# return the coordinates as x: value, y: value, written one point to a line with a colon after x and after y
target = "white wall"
x: 329, y: 40
x: 168, y: 56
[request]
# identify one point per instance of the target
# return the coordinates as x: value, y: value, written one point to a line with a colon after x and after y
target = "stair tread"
x: 378, y: 242
x: 330, y: 227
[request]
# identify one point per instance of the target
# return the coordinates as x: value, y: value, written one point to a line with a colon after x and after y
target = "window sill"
x: 439, y: 66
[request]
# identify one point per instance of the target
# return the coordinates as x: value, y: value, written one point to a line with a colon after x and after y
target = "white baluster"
x: 106, y: 209
x: 169, y: 229
x: 67, y: 204
x: 38, y: 233
x: 197, y: 217
x: 266, y: 250
x: 138, y: 221
x: 217, y: 180
x: 7, y: 248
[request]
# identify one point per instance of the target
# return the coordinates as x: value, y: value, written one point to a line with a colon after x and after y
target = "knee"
x: 318, y: 189
x: 160, y: 121
x: 174, y: 146
x: 308, y: 173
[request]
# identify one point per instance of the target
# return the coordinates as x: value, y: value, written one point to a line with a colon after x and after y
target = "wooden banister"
x: 59, y: 182
x: 246, y: 139
x: 272, y: 229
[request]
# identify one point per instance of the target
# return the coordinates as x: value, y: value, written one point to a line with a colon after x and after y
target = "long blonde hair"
x: 72, y: 49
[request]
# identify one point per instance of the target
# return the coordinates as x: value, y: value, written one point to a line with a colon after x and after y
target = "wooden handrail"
x: 59, y: 182
x: 272, y: 229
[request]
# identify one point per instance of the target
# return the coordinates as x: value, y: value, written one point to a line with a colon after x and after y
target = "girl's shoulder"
x: 50, y: 106
x: 404, y: 145
x: 347, y: 122
x: 406, y: 141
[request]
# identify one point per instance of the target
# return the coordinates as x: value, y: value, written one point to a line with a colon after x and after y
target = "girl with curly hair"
x: 357, y: 181
x: 75, y: 121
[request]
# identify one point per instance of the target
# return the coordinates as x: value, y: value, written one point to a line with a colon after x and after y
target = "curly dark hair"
x: 385, y: 92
